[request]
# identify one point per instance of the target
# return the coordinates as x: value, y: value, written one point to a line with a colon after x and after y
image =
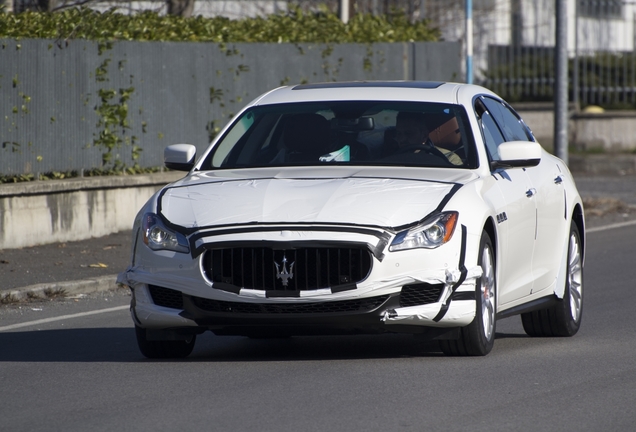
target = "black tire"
x: 563, y: 319
x: 478, y: 338
x: 164, y: 349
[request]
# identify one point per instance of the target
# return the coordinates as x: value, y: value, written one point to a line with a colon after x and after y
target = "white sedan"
x: 361, y: 207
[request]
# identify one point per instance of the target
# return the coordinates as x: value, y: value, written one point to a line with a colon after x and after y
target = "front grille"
x: 166, y: 297
x: 264, y: 269
x: 420, y: 294
x: 343, y: 306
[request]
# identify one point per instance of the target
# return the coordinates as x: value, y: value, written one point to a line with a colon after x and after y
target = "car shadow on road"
x: 119, y: 345
x: 501, y: 335
x: 69, y: 345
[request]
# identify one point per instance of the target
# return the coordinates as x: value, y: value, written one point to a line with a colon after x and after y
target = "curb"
x: 44, y: 290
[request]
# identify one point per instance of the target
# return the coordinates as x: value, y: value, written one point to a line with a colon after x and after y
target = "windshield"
x: 356, y: 133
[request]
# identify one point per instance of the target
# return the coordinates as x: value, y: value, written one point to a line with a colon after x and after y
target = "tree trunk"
x: 182, y: 8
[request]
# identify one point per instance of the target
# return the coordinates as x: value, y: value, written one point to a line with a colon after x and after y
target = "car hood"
x: 203, y: 201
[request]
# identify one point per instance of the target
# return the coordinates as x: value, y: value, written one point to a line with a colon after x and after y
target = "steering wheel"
x: 429, y: 149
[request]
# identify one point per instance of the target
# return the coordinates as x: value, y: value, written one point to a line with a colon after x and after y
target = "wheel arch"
x: 579, y: 221
x: 489, y: 228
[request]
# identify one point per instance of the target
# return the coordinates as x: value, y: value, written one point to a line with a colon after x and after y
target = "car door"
x: 548, y: 179
x: 547, y: 192
x: 516, y: 216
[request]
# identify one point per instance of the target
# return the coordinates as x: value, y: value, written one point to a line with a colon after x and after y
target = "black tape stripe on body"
x: 439, y: 209
x: 462, y: 277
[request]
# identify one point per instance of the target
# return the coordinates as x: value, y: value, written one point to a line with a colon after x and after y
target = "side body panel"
x: 553, y: 221
x: 517, y: 212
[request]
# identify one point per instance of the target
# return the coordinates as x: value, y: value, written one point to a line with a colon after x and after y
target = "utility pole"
x: 469, y: 41
x: 561, y: 82
x: 344, y: 11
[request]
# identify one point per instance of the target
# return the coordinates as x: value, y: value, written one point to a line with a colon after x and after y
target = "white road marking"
x: 612, y: 226
x: 63, y: 317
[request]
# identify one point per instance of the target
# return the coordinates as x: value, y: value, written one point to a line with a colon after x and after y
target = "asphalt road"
x: 85, y: 372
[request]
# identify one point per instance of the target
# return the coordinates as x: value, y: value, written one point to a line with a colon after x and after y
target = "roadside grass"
x: 30, y: 296
x: 52, y: 294
x: 8, y: 299
x: 55, y: 293
x: 33, y: 296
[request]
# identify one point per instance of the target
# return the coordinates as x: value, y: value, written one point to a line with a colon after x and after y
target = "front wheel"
x: 478, y: 338
x: 563, y: 319
x: 157, y: 349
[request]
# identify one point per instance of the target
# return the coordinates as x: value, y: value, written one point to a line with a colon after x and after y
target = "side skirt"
x: 542, y: 303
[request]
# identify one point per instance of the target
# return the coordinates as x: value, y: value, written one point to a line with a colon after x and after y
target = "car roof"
x: 417, y: 91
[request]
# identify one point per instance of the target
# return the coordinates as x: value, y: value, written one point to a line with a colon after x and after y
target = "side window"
x: 489, y: 130
x: 508, y: 121
x: 492, y: 135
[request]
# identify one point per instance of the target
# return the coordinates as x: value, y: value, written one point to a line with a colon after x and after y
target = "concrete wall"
x: 42, y: 212
x: 609, y: 132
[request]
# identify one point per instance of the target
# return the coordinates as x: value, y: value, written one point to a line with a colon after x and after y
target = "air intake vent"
x: 420, y: 294
x: 166, y: 297
x: 344, y: 306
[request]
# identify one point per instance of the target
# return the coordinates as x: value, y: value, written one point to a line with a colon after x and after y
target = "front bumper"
x: 373, y: 306
x: 377, y: 314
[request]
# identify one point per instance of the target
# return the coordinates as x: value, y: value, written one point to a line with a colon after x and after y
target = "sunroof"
x: 367, y: 84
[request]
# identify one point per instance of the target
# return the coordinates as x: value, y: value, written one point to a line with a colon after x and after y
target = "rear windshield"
x: 354, y: 133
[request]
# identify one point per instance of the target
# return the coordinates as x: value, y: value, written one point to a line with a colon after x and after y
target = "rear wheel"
x: 478, y: 338
x: 156, y: 349
x: 563, y: 319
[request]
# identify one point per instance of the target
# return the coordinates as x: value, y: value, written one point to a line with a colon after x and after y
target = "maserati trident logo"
x: 284, y: 274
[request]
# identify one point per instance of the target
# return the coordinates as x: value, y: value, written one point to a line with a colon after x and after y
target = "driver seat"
x: 306, y: 137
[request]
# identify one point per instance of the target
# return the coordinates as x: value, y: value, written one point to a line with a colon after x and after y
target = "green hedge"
x: 294, y: 26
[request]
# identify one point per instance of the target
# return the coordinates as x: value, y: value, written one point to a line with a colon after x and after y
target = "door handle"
x: 531, y: 192
x: 558, y: 180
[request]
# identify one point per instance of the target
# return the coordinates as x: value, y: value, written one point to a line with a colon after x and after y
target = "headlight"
x: 158, y: 237
x: 433, y: 233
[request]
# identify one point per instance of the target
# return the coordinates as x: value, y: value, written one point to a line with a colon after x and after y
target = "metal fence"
x: 602, y: 61
x: 62, y: 107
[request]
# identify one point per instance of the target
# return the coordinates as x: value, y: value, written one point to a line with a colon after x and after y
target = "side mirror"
x: 517, y: 154
x: 179, y: 157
